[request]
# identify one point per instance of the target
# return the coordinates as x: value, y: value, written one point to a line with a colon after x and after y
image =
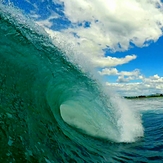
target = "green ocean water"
x: 51, y: 111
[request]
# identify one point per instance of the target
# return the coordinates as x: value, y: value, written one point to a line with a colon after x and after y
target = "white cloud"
x: 150, y: 85
x: 112, y: 61
x: 156, y: 79
x: 109, y: 71
x: 123, y: 76
x: 122, y: 79
x: 132, y: 73
x: 114, y: 24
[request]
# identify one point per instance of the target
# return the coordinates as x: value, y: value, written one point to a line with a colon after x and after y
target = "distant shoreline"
x: 143, y: 96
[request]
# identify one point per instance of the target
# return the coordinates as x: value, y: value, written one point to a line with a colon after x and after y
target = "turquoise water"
x: 53, y: 111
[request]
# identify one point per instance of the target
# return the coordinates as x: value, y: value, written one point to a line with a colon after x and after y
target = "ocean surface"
x: 54, y: 111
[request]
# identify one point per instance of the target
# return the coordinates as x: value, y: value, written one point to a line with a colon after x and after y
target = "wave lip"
x: 73, y: 96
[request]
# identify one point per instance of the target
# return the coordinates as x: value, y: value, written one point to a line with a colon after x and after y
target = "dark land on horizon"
x: 144, y: 96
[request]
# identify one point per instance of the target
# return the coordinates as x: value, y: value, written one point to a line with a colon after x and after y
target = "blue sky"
x: 149, y: 59
x: 122, y: 39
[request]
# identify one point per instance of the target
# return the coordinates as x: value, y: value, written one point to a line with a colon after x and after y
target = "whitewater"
x: 54, y: 110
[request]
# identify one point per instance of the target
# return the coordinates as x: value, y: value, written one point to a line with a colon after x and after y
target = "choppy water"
x: 51, y: 111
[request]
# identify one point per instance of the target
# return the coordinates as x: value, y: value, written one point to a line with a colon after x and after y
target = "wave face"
x: 50, y: 110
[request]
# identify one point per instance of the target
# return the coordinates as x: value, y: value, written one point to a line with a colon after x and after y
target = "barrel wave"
x: 50, y: 110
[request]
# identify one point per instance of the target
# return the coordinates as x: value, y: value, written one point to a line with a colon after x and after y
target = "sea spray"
x: 72, y: 89
x: 49, y: 103
x: 126, y: 121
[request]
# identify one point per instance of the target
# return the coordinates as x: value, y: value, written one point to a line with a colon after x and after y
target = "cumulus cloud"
x: 114, y: 71
x: 154, y: 81
x: 150, y: 85
x: 112, y: 61
x: 109, y: 71
x: 116, y: 23
x: 108, y: 24
x: 123, y: 76
x: 133, y: 89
